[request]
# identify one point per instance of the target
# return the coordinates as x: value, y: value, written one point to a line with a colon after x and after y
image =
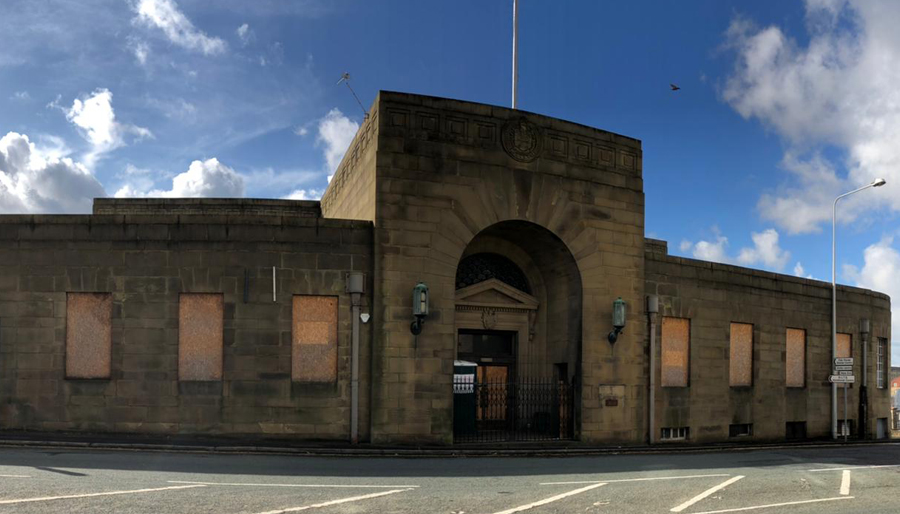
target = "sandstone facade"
x: 522, y: 226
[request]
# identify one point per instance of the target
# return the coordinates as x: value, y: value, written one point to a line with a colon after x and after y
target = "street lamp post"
x: 834, y: 413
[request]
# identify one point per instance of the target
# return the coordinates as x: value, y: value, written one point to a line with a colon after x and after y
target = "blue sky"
x: 783, y: 105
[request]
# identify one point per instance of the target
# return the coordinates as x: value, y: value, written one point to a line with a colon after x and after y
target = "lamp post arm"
x: 834, y: 302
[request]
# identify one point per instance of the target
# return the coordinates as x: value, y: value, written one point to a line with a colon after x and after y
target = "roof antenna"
x: 345, y: 78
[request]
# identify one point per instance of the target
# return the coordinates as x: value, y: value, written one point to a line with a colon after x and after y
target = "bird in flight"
x: 674, y: 87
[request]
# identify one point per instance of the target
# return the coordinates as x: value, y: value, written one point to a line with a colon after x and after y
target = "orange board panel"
x: 676, y: 344
x: 88, y: 335
x: 314, y: 336
x: 740, y: 361
x: 200, y: 329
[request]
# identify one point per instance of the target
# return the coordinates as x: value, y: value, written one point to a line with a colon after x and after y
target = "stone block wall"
x: 351, y: 191
x: 145, y: 261
x: 447, y: 171
x: 712, y: 296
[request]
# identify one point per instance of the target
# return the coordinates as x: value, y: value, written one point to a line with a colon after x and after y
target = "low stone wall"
x: 712, y: 296
x: 145, y: 262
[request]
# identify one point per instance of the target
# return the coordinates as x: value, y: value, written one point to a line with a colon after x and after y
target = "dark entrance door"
x: 507, y: 407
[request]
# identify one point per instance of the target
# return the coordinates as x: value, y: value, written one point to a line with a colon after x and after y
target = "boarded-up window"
x: 88, y: 335
x: 740, y: 360
x: 200, y: 330
x: 844, y: 346
x: 795, y: 358
x: 676, y: 344
x: 314, y: 339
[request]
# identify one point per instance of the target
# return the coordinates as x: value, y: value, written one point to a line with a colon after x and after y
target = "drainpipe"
x: 355, y: 286
x: 652, y: 313
x: 863, y: 416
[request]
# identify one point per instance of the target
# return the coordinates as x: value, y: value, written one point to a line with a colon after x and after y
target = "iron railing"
x: 524, y: 410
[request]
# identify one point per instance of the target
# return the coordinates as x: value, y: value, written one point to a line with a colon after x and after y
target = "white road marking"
x: 845, y: 482
x: 853, y: 467
x: 755, y: 507
x: 706, y: 493
x: 92, y: 495
x: 336, y: 502
x: 337, y: 486
x: 551, y: 499
x: 634, y: 479
x: 15, y: 476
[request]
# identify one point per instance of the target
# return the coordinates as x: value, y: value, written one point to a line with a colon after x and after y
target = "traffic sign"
x: 840, y: 379
x: 843, y: 368
x: 845, y: 373
x: 843, y: 361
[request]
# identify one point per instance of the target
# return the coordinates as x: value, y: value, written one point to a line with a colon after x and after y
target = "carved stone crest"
x: 521, y: 139
x: 489, y: 318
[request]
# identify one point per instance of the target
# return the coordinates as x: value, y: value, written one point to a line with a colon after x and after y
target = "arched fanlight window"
x: 479, y: 267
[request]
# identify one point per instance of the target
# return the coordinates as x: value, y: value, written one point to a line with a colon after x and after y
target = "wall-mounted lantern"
x: 420, y: 307
x: 618, y: 320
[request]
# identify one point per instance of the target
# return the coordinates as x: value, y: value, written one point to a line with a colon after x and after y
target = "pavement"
x: 837, y: 479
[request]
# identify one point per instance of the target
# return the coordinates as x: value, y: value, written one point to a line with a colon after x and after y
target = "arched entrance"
x: 518, y: 331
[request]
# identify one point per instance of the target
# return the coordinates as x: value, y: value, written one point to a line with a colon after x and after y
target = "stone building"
x: 248, y: 318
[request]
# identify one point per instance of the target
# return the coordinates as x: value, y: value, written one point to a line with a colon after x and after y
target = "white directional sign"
x: 841, y: 379
x: 843, y: 368
x: 843, y: 361
x: 845, y: 373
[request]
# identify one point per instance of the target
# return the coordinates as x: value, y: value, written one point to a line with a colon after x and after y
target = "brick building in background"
x: 234, y: 317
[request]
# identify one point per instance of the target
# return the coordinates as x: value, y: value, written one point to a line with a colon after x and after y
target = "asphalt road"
x: 801, y: 481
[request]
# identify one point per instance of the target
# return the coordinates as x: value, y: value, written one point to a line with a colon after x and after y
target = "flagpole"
x: 515, y: 53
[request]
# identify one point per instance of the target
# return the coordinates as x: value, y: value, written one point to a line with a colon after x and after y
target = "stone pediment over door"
x: 493, y: 293
x: 495, y: 305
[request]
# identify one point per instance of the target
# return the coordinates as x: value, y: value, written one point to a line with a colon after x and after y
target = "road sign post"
x: 843, y: 374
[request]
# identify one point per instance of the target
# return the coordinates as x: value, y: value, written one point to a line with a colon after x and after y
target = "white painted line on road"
x: 92, y: 495
x: 15, y: 476
x: 845, y: 482
x: 854, y: 467
x: 336, y: 502
x: 706, y: 493
x: 634, y: 479
x: 756, y: 507
x: 551, y: 499
x: 333, y: 486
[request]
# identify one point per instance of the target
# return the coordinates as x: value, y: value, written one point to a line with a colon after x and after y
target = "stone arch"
x: 555, y: 331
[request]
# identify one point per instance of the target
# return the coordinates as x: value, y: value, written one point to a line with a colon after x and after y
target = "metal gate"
x: 507, y: 411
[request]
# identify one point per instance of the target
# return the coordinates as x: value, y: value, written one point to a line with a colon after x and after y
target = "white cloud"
x: 301, y: 131
x: 714, y: 251
x: 208, y: 178
x: 305, y: 194
x: 141, y: 51
x: 165, y: 15
x: 96, y: 119
x: 765, y: 251
x: 837, y: 90
x: 174, y: 108
x: 800, y: 272
x: 881, y: 272
x: 268, y: 182
x: 34, y: 182
x: 22, y: 96
x: 245, y: 34
x: 336, y: 132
